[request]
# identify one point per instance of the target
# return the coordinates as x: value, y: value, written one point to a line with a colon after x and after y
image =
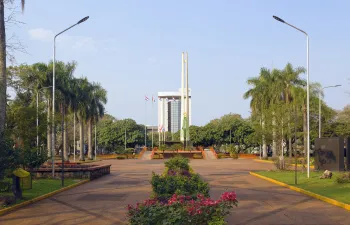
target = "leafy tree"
x: 9, y: 157
x: 111, y: 133
x: 32, y: 158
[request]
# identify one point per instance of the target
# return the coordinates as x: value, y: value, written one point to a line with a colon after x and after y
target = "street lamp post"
x: 53, y: 99
x: 307, y: 91
x: 319, y: 109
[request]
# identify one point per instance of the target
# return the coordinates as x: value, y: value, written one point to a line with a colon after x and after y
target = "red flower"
x: 130, y: 207
x: 228, y: 196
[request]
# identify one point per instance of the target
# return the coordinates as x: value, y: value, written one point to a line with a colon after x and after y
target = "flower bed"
x: 248, y: 156
x: 180, y: 196
x: 197, y: 156
x: 107, y: 156
x: 158, y: 156
x: 73, y: 171
x: 183, y: 210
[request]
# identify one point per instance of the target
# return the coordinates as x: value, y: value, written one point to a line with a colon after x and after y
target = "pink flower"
x: 130, y: 207
x: 228, y: 196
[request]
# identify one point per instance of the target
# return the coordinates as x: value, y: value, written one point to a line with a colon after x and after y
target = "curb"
x: 311, y: 194
x: 263, y: 161
x: 83, y: 162
x: 269, y: 161
x: 42, y: 197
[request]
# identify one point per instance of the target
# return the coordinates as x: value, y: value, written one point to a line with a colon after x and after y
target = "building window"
x: 175, y: 116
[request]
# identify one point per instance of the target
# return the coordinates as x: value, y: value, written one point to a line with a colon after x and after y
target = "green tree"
x: 260, y: 95
x: 289, y: 78
x: 97, y: 99
x: 111, y: 133
x: 9, y: 157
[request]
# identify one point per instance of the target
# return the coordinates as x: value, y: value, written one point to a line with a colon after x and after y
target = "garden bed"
x: 170, y: 154
x: 180, y: 196
x: 90, y: 172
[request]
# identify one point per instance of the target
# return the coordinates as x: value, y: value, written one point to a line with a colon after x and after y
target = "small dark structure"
x: 347, y: 152
x: 17, y: 182
x: 329, y: 154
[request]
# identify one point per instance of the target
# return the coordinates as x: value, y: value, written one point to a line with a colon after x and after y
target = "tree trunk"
x: 290, y: 146
x: 90, y: 139
x: 274, y: 143
x: 65, y: 137
x: 305, y: 129
x: 264, y: 147
x: 81, y: 130
x: 3, y: 82
x: 49, y: 131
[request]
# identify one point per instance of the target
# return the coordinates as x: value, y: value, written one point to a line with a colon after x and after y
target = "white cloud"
x: 81, y: 43
x: 77, y: 42
x: 87, y: 43
x: 41, y: 34
x: 152, y: 60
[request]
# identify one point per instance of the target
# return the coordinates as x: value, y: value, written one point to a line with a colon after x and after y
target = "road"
x: 104, y: 201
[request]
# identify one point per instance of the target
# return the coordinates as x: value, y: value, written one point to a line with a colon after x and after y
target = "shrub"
x: 9, y: 157
x: 122, y: 157
x: 33, y: 158
x: 234, y: 155
x: 129, y: 150
x: 158, y: 156
x: 162, y: 147
x: 197, y: 156
x: 343, y: 178
x: 120, y: 150
x: 223, y: 155
x: 188, y: 148
x: 176, y: 183
x: 183, y: 210
x: 281, y: 163
x: 177, y: 163
x: 175, y: 147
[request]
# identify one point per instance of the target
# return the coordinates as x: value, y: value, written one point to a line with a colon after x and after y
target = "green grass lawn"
x: 41, y: 187
x: 325, y: 187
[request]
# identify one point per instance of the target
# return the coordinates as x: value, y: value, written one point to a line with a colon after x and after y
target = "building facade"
x: 169, y: 111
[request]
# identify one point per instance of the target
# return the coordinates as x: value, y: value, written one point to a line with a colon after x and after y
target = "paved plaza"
x: 104, y: 201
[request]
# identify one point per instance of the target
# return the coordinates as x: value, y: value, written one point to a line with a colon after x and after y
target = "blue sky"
x: 134, y: 48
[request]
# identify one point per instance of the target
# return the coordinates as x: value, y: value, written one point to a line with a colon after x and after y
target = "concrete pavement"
x: 104, y: 201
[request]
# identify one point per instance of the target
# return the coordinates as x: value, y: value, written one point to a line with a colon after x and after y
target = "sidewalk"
x: 104, y: 201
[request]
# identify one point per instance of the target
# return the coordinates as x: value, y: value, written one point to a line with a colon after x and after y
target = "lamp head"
x: 278, y: 19
x: 83, y: 20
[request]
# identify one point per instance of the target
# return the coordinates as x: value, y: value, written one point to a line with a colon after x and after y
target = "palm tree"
x: 66, y: 95
x: 74, y: 101
x: 3, y: 81
x: 288, y: 79
x: 260, y: 99
x: 81, y: 90
x: 98, y: 97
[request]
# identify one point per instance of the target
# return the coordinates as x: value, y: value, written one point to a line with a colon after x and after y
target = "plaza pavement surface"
x: 104, y: 201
